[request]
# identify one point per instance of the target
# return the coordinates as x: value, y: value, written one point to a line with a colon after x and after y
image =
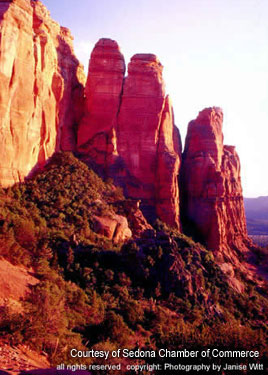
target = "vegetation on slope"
x: 160, y: 290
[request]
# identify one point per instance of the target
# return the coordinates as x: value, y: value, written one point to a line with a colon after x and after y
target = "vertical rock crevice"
x: 168, y: 167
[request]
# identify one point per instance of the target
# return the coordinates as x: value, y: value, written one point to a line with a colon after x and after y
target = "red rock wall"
x: 39, y: 76
x: 212, y: 197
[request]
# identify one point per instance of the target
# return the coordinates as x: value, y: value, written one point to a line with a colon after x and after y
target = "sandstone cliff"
x: 128, y: 129
x: 39, y: 79
x: 212, y: 197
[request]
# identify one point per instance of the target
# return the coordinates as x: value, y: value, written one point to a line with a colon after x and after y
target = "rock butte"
x: 123, y: 125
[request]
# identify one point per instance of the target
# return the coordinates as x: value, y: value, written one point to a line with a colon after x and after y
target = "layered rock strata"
x: 212, y: 197
x: 39, y: 79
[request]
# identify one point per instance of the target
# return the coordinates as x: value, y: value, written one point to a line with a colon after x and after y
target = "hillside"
x: 156, y: 289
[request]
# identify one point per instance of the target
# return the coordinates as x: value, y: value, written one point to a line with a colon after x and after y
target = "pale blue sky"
x: 214, y: 52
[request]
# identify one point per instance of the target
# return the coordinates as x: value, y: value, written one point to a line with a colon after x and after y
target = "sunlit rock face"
x: 96, y: 135
x: 148, y: 141
x: 212, y: 197
x: 39, y: 80
x: 128, y: 129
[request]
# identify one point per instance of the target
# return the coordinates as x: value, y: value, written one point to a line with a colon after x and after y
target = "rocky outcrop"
x: 128, y: 129
x: 212, y: 197
x: 115, y: 228
x: 137, y: 222
x: 39, y: 79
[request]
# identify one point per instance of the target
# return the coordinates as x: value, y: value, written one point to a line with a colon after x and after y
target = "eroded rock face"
x: 139, y: 124
x: 96, y: 135
x: 39, y: 79
x: 212, y: 197
x: 148, y: 144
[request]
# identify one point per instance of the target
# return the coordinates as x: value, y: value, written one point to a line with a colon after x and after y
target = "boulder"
x: 115, y: 228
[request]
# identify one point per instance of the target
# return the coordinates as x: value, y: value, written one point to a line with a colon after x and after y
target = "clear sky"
x: 214, y: 52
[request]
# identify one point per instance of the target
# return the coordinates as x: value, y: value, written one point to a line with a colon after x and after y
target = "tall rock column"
x: 35, y: 85
x: 96, y: 137
x: 212, y: 197
x: 148, y: 142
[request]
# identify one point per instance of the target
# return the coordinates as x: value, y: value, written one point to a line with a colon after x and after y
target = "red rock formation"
x: 212, y: 197
x: 115, y: 228
x: 131, y: 136
x: 137, y: 222
x: 139, y: 125
x: 128, y: 128
x: 39, y: 77
x: 148, y: 142
x: 96, y: 136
